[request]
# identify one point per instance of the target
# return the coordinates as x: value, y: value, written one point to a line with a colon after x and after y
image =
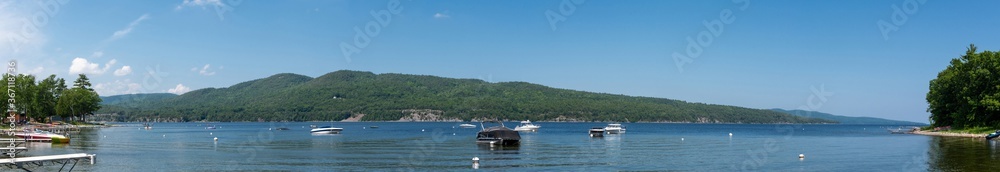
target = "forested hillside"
x: 390, y: 97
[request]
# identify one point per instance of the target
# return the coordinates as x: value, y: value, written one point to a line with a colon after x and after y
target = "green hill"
x: 391, y: 97
x: 134, y: 99
x: 847, y: 119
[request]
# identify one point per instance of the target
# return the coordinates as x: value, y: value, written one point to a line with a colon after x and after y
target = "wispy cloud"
x: 97, y: 54
x: 36, y: 70
x: 199, y: 3
x: 204, y: 70
x: 441, y: 15
x: 122, y: 33
x: 118, y: 87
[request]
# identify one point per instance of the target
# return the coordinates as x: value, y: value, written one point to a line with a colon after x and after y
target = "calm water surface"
x: 556, y: 147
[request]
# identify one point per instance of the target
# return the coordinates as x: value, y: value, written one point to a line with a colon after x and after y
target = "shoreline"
x: 945, y: 134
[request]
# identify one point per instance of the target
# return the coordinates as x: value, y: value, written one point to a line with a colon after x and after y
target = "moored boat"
x: 467, y: 126
x: 597, y: 132
x: 498, y: 135
x: 527, y: 126
x: 326, y: 130
x: 615, y: 128
x: 39, y: 135
x: 993, y: 135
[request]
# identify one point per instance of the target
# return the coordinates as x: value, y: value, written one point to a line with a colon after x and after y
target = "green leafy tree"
x: 78, y: 101
x: 26, y: 98
x: 46, y: 98
x: 967, y: 92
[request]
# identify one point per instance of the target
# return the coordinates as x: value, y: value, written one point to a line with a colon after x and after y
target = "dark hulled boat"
x: 993, y: 135
x: 498, y: 135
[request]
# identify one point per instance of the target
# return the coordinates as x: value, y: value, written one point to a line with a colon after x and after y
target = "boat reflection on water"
x: 325, y: 134
x: 500, y: 149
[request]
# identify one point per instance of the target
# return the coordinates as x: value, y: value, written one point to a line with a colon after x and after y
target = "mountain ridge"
x: 394, y: 97
x: 846, y: 119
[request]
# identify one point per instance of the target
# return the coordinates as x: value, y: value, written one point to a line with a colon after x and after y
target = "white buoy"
x: 802, y: 156
x: 475, y: 162
x: 364, y: 127
x: 730, y: 134
x: 421, y: 130
x: 268, y: 129
x: 682, y: 139
x: 452, y: 134
x: 164, y: 135
x: 216, y: 139
x: 209, y: 133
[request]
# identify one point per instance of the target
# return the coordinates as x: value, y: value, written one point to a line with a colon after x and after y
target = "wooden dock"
x: 64, y: 159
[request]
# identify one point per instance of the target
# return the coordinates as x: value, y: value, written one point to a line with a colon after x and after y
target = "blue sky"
x: 770, y: 54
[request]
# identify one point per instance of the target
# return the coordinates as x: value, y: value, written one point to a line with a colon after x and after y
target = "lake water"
x: 433, y: 146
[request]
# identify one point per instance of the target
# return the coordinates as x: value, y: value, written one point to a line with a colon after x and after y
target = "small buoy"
x: 164, y: 135
x: 216, y: 138
x: 802, y: 156
x: 210, y: 133
x: 421, y: 130
x: 105, y: 136
x: 682, y: 139
x: 452, y: 134
x: 730, y: 134
x: 475, y: 162
x: 268, y: 129
x: 364, y: 128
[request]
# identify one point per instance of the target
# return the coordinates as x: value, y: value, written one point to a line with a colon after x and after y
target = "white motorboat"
x: 527, y: 126
x: 467, y: 126
x: 615, y: 128
x: 326, y: 130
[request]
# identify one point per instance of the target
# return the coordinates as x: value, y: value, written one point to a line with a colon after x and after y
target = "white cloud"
x: 97, y: 54
x: 441, y: 16
x: 179, y: 89
x: 118, y: 87
x: 81, y: 65
x: 124, y: 32
x: 204, y: 70
x: 125, y: 70
x: 199, y: 3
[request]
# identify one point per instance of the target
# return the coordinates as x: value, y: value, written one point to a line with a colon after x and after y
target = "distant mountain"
x: 400, y: 97
x: 846, y: 119
x: 135, y: 98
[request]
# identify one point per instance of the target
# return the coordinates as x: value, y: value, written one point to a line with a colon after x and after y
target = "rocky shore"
x: 947, y: 134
